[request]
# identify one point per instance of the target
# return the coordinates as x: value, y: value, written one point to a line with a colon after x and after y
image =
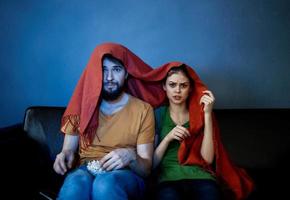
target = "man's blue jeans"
x: 118, y: 184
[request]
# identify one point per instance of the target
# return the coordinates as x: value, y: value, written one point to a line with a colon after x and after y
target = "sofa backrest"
x: 254, y: 138
x: 42, y: 125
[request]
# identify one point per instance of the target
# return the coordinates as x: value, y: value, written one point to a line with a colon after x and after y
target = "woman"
x: 191, y: 160
x: 179, y: 181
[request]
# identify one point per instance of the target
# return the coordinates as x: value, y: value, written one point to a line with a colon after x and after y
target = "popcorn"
x: 94, y: 167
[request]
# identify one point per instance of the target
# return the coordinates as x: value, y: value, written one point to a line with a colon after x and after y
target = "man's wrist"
x: 67, y: 151
x: 133, y: 155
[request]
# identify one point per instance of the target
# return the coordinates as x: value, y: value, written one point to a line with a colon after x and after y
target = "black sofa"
x: 256, y: 139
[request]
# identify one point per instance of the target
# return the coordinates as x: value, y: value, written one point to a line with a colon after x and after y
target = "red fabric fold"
x: 145, y: 83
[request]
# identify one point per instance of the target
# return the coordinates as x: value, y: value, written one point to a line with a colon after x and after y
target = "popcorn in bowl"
x: 94, y: 167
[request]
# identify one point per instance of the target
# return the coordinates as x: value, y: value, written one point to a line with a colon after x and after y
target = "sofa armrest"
x: 26, y: 170
x: 15, y: 156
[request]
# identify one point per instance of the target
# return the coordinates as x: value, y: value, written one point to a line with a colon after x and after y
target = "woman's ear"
x: 164, y: 87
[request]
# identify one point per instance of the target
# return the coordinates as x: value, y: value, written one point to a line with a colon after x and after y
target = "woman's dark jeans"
x: 189, y: 189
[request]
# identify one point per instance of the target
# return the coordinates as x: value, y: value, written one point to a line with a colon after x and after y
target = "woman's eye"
x: 184, y: 85
x: 172, y: 84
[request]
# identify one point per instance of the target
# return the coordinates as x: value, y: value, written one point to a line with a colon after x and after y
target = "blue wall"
x: 241, y: 49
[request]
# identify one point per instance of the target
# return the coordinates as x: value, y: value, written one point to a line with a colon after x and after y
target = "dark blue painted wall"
x: 241, y: 49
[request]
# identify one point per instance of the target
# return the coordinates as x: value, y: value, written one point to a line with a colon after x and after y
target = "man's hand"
x: 118, y: 159
x: 64, y: 161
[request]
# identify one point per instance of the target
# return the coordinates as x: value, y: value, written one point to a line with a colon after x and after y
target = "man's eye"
x: 118, y: 69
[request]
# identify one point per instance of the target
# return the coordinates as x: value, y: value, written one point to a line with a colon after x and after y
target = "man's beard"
x: 112, y: 94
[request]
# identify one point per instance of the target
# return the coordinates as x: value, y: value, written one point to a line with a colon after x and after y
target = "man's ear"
x: 126, y: 75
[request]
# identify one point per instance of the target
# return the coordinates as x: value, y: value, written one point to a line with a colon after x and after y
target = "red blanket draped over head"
x: 145, y: 83
x: 82, y: 110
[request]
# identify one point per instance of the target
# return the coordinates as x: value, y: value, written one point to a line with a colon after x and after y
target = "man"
x: 109, y: 125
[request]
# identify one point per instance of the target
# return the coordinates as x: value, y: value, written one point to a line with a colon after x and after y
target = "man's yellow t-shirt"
x: 134, y: 124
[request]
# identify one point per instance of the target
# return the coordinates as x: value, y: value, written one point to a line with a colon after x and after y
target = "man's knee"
x: 104, y: 184
x: 80, y: 177
x: 119, y: 184
x: 105, y: 187
x: 77, y: 185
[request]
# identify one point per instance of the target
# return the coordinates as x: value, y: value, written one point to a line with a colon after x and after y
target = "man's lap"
x: 123, y: 179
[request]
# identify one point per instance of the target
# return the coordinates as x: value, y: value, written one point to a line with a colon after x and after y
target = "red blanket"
x: 82, y: 110
x: 145, y: 83
x: 234, y: 180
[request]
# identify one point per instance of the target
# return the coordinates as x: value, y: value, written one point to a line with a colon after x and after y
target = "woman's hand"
x: 178, y: 133
x: 208, y: 100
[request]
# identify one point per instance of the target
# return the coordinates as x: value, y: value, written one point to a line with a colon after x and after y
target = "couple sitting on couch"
x: 110, y: 119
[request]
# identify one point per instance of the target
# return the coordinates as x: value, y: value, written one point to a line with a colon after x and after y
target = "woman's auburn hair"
x: 177, y: 69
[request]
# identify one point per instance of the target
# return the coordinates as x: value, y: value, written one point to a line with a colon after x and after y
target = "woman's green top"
x: 170, y: 169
